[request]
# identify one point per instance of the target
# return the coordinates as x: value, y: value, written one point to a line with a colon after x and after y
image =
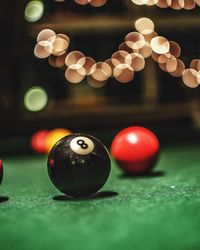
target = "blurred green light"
x: 35, y: 99
x: 34, y: 11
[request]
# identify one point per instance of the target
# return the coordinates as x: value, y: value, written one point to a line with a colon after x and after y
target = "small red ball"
x: 135, y: 149
x: 38, y: 141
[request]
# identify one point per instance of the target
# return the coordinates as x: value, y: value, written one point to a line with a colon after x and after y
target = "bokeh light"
x: 34, y: 11
x: 35, y: 99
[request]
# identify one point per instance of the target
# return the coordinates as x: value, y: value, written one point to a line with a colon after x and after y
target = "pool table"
x: 159, y: 211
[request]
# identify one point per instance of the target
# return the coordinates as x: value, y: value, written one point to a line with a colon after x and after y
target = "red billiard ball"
x: 1, y: 171
x: 38, y: 141
x: 135, y: 149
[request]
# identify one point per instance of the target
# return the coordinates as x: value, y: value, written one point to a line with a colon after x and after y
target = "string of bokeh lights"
x: 35, y: 8
x: 173, y: 4
x: 94, y: 3
x: 128, y: 59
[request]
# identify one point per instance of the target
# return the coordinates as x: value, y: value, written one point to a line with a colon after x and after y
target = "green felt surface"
x: 156, y: 212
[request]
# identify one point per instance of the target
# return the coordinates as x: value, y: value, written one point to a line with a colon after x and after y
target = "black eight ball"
x: 79, y: 165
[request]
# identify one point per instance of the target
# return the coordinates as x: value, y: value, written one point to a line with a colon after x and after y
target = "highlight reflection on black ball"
x: 79, y: 165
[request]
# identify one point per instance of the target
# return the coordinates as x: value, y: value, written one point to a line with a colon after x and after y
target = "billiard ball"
x: 135, y: 149
x: 79, y: 165
x: 1, y: 171
x: 54, y: 136
x: 38, y: 141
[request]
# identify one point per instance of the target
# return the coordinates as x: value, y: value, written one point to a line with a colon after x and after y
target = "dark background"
x: 153, y: 99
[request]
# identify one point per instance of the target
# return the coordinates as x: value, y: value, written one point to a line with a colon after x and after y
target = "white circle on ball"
x: 82, y: 145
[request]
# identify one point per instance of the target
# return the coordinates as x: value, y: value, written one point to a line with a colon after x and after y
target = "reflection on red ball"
x: 38, y: 141
x: 135, y: 149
